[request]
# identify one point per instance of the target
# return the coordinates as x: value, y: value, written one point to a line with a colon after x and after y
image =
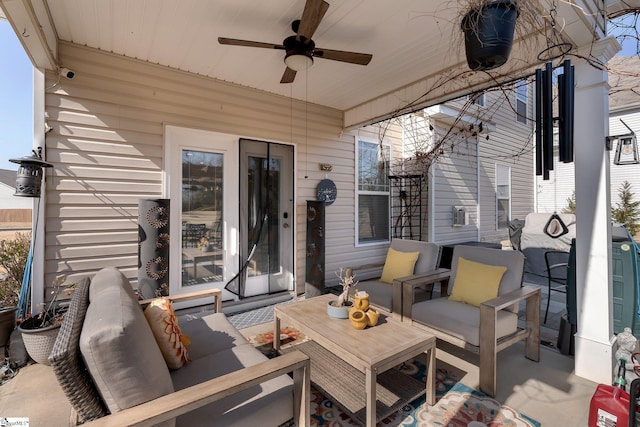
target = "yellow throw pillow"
x: 164, y: 324
x: 398, y: 264
x: 476, y: 282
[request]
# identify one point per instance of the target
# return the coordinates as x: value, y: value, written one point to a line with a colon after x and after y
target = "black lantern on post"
x: 29, y: 177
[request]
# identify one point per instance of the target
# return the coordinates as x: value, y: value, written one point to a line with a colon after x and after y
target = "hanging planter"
x: 488, y: 33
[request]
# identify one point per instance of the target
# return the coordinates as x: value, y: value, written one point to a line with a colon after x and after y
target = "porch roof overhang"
x: 417, y: 48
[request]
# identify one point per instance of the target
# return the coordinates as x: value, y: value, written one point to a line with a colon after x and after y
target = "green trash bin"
x: 569, y: 321
x: 625, y: 289
x: 625, y: 271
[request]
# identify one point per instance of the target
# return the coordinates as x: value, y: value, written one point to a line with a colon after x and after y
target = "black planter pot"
x: 7, y: 323
x: 488, y: 34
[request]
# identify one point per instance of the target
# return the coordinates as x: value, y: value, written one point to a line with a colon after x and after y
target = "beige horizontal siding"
x: 106, y: 145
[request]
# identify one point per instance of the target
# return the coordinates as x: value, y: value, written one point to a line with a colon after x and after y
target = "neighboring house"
x: 13, y: 209
x: 624, y: 104
x: 485, y: 170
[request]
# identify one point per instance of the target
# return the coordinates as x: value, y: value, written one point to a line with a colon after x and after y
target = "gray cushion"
x: 110, y: 276
x: 268, y: 404
x: 210, y: 334
x: 513, y: 260
x: 429, y: 253
x: 118, y: 346
x: 460, y: 320
x: 380, y: 293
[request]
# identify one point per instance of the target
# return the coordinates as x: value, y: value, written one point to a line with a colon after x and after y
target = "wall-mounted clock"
x: 327, y: 191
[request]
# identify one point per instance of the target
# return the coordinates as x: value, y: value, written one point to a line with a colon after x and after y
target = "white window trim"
x: 525, y: 99
x: 508, y: 168
x: 358, y: 192
x: 479, y: 96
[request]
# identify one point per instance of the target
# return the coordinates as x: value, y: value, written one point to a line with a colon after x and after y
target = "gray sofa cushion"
x: 106, y: 278
x: 118, y: 346
x: 268, y: 404
x: 460, y: 320
x: 210, y: 334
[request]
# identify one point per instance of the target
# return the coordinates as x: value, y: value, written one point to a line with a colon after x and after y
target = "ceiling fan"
x: 300, y: 48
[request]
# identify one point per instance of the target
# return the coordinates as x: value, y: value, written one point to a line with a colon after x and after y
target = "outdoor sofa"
x: 109, y: 365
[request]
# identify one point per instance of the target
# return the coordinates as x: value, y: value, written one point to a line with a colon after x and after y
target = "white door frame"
x: 178, y: 139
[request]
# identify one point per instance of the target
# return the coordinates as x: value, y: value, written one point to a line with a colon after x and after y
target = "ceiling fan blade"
x: 343, y: 56
x: 288, y: 76
x: 313, y: 13
x: 248, y: 43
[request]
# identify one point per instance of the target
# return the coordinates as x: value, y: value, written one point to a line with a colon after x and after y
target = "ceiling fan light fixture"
x: 298, y: 61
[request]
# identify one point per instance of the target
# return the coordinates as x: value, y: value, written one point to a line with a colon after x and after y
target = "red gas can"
x: 609, y: 407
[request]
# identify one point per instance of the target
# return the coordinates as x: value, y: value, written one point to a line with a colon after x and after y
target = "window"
x: 373, y: 192
x: 521, y: 102
x: 477, y: 99
x: 503, y: 196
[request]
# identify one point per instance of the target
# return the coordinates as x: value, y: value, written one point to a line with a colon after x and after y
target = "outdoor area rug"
x: 456, y: 405
x: 264, y: 341
x: 464, y: 406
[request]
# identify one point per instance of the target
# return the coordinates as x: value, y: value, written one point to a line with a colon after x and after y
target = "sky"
x: 16, y: 100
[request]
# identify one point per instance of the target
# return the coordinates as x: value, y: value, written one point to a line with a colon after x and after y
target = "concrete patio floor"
x: 547, y: 391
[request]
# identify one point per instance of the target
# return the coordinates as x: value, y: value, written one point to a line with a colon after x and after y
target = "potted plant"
x: 13, y: 258
x: 339, y: 308
x: 39, y: 332
x: 488, y: 28
x: 7, y: 311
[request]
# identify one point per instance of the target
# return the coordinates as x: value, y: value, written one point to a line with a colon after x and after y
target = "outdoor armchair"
x: 400, y: 265
x: 479, y: 312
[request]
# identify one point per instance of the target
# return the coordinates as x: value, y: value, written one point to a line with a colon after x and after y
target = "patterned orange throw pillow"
x: 164, y: 324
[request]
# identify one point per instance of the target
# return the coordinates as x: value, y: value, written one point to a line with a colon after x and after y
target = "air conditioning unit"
x: 460, y: 216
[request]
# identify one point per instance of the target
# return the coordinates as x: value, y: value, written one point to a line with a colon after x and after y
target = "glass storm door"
x: 266, y: 219
x: 202, y: 182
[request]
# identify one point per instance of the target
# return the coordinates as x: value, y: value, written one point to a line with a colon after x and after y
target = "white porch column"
x: 38, y: 284
x: 594, y: 339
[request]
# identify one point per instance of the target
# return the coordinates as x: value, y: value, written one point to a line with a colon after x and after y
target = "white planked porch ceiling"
x: 416, y: 44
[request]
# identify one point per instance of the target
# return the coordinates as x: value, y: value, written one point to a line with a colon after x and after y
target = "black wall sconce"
x: 627, y: 149
x: 29, y: 177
